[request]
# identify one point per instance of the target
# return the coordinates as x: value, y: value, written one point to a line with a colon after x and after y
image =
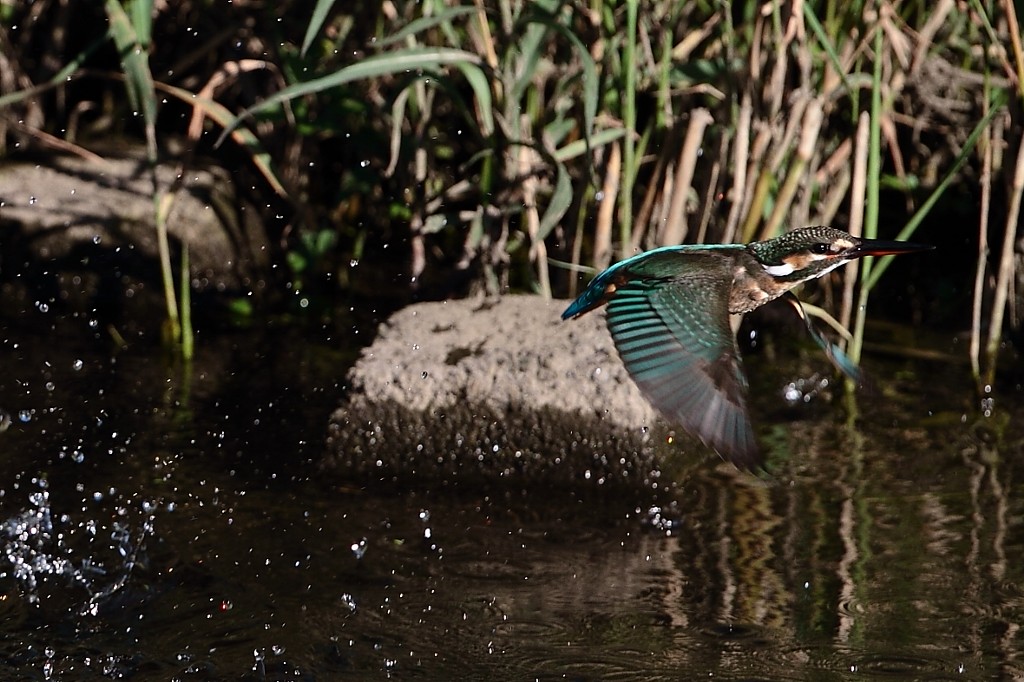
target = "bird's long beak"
x: 878, y: 247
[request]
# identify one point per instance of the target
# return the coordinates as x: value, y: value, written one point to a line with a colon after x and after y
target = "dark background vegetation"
x: 439, y: 149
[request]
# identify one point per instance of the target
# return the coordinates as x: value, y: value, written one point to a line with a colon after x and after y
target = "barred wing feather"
x: 674, y: 338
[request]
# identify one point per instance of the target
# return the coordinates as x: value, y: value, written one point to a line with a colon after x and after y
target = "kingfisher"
x: 669, y: 316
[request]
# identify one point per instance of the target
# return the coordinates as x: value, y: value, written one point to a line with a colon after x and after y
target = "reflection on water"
x: 163, y: 526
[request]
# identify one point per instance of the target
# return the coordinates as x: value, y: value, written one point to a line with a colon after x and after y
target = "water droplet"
x: 24, y: 416
x: 359, y: 549
x: 77, y: 365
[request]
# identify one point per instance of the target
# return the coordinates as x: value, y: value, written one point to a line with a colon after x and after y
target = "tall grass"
x: 493, y: 140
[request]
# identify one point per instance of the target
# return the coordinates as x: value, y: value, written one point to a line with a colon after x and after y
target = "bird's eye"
x: 822, y: 249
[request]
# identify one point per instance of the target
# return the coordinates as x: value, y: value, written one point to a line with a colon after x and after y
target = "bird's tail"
x: 835, y: 354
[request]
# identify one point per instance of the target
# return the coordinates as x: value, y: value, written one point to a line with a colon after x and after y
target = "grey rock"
x: 78, y: 229
x: 497, y: 389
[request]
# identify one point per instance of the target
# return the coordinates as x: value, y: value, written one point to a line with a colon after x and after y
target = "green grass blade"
x: 187, y: 333
x: 316, y: 22
x: 482, y: 90
x: 590, y: 82
x: 141, y: 13
x: 579, y: 147
x: 561, y: 199
x: 222, y: 116
x: 59, y: 78
x: 134, y: 60
x: 423, y: 23
x: 826, y: 44
x: 922, y: 212
x: 871, y: 200
x: 413, y: 59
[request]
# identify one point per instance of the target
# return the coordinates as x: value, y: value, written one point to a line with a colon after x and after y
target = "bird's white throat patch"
x: 782, y: 270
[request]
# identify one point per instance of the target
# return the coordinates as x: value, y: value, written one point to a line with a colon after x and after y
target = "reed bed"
x: 513, y: 143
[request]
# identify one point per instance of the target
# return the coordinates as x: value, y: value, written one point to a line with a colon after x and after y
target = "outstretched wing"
x: 673, y: 334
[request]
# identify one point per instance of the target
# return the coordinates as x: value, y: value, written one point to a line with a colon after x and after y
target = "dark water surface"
x: 158, y: 525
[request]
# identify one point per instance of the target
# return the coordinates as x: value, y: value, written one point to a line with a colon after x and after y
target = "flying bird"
x: 668, y: 314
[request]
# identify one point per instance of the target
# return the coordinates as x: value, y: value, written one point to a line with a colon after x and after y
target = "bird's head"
x: 811, y: 252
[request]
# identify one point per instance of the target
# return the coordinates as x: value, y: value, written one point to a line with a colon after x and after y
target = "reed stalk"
x: 981, y: 262
x: 629, y: 164
x: 1004, y: 276
x: 856, y: 226
x: 871, y: 200
x: 132, y: 35
x: 676, y: 227
x: 606, y: 208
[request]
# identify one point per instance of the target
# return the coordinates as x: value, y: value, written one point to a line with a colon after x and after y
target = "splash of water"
x: 40, y: 548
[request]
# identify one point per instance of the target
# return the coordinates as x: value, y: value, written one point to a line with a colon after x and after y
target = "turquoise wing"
x: 674, y: 337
